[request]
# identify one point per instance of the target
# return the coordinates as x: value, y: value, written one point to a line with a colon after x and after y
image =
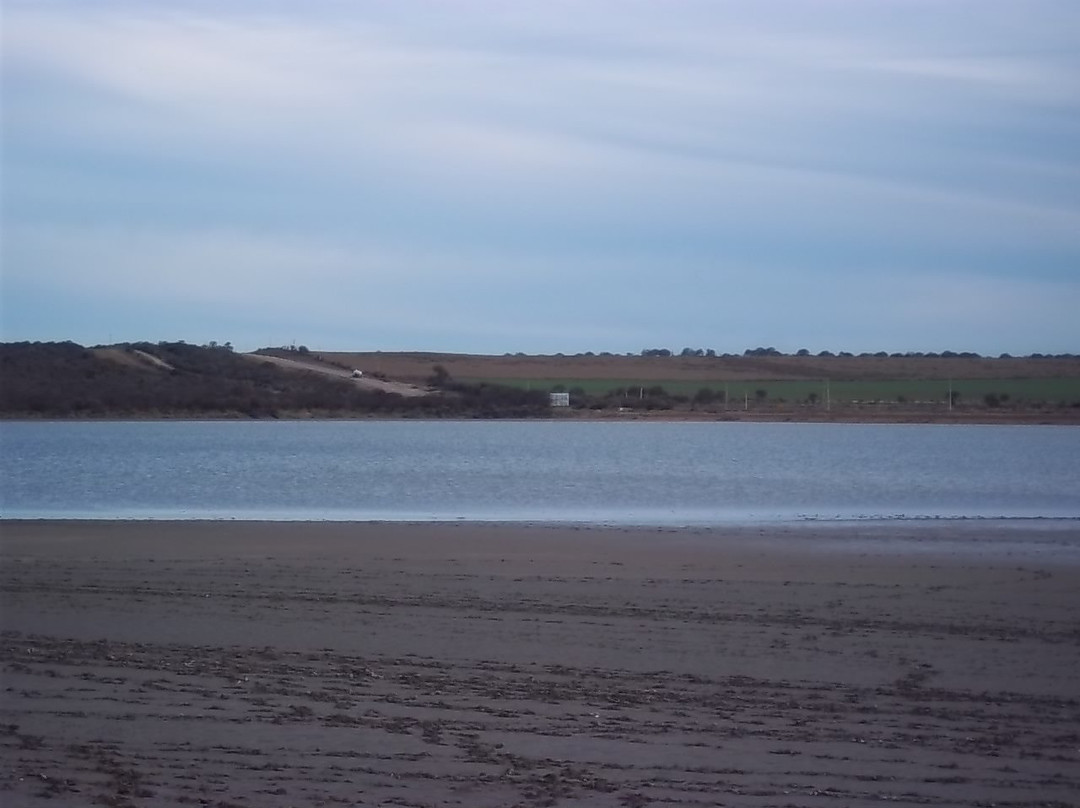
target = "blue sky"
x: 544, y: 176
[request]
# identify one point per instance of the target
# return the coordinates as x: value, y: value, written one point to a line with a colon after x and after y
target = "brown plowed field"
x: 416, y: 367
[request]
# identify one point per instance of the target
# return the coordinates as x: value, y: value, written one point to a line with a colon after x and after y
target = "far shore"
x: 281, y: 663
x: 190, y: 382
x: 1060, y: 417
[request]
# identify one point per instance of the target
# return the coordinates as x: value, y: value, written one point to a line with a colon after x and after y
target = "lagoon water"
x: 598, y: 473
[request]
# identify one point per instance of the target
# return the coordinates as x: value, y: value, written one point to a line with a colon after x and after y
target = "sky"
x: 545, y: 177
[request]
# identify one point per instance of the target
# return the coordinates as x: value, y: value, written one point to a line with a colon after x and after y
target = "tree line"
x: 760, y: 351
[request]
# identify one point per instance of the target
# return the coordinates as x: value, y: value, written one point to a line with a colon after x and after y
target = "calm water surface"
x: 617, y: 473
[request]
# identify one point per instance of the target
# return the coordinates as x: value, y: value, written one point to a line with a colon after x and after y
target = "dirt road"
x: 366, y: 382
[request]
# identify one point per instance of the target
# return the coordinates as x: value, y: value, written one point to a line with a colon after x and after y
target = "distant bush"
x: 496, y: 401
x: 439, y: 377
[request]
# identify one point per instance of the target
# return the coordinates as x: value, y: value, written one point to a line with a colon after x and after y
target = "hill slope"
x: 58, y: 380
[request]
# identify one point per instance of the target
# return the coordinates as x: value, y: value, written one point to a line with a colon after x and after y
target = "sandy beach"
x: 281, y: 664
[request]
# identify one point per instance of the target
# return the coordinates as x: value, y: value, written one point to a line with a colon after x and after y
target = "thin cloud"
x: 776, y: 150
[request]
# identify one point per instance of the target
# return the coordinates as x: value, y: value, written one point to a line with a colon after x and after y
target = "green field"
x: 1049, y: 391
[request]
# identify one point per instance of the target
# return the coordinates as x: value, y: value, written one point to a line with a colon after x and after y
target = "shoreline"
x: 283, y: 663
x: 1066, y: 416
x: 890, y: 525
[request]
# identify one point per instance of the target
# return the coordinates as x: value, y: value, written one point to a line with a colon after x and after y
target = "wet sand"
x: 278, y: 664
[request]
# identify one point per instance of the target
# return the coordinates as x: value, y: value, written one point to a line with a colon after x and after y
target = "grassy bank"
x: 992, y: 392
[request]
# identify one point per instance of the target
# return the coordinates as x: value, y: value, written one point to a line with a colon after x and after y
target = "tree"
x: 439, y: 376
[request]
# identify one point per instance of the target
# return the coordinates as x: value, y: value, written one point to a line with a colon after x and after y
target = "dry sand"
x: 245, y: 664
